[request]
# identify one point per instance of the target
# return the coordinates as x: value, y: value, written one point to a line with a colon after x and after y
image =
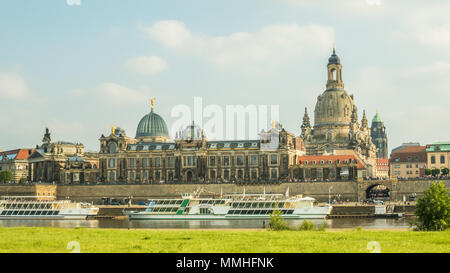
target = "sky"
x: 79, y: 67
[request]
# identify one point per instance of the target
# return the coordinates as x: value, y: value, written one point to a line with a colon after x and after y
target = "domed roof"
x: 377, y: 118
x: 152, y: 125
x: 333, y: 107
x: 334, y: 59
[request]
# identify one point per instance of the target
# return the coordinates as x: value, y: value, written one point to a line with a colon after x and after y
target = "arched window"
x: 112, y: 148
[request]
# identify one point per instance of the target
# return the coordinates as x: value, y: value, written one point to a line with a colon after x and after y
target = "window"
x: 144, y: 162
x: 144, y: 175
x: 226, y: 161
x: 171, y: 161
x: 433, y: 159
x: 240, y: 174
x: 226, y: 174
x: 273, y: 159
x: 132, y: 162
x: 254, y: 174
x: 112, y: 148
x: 274, y: 173
x: 254, y: 160
x: 189, y: 160
x: 212, y: 174
x: 442, y: 159
x: 212, y: 161
x: 112, y: 176
x: 132, y: 176
x: 112, y: 162
x: 158, y: 162
x: 170, y: 175
x: 240, y: 160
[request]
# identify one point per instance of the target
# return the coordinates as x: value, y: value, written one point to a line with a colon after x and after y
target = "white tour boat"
x: 43, y: 208
x: 231, y: 207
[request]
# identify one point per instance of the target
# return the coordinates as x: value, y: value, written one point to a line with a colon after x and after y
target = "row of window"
x: 433, y: 159
x: 314, y: 162
x: 30, y: 213
x: 258, y: 212
x: 191, y: 161
x: 29, y: 206
x: 257, y: 205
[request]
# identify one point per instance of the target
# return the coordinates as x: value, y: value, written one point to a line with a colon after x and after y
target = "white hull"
x: 73, y: 214
x: 303, y: 213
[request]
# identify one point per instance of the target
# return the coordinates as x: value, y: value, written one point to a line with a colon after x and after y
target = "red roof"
x: 332, y: 158
x: 17, y: 154
x: 410, y: 154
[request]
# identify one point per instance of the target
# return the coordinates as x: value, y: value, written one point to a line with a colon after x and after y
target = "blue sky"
x: 80, y: 69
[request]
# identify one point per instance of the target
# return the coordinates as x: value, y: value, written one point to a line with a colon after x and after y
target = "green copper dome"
x: 152, y: 125
x: 377, y: 118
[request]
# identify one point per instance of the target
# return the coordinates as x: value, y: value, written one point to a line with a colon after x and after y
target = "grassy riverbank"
x: 13, y: 240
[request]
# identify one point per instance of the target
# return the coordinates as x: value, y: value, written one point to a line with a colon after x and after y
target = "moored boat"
x: 231, y: 207
x: 43, y: 208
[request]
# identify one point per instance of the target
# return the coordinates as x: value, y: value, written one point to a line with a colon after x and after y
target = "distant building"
x: 330, y: 167
x: 382, y: 168
x: 16, y: 162
x: 438, y: 155
x: 62, y: 162
x: 407, y: 144
x: 379, y: 137
x: 408, y: 162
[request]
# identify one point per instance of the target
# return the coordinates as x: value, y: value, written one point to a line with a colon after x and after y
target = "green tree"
x: 445, y: 171
x: 428, y: 172
x: 433, y: 209
x: 6, y: 176
x: 276, y: 221
x: 435, y: 172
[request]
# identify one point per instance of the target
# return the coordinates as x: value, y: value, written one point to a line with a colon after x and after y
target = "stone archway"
x: 378, y: 192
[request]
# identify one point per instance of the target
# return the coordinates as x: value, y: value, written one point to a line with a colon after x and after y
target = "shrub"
x: 276, y: 221
x: 323, y: 226
x: 307, y: 225
x: 445, y: 171
x: 433, y: 209
x: 428, y: 172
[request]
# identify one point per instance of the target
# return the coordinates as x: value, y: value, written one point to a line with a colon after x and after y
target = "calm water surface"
x: 202, y: 224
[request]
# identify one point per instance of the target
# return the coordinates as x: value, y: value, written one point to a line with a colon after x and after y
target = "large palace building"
x: 151, y: 157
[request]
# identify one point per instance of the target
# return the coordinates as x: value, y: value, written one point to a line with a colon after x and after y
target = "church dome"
x: 333, y: 107
x: 152, y: 125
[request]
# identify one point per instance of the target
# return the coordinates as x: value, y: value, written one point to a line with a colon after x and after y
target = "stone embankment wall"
x: 352, y: 191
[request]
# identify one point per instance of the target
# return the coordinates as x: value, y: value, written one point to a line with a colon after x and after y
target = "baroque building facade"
x: 62, y: 162
x: 151, y: 157
x: 336, y: 129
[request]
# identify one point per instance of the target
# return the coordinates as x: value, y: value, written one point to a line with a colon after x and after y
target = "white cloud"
x: 171, y: 33
x: 13, y: 86
x: 248, y: 51
x: 341, y: 6
x: 112, y: 93
x: 146, y: 65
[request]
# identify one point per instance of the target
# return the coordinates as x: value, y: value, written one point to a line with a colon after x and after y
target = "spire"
x: 364, y: 122
x: 306, y: 125
x: 113, y: 130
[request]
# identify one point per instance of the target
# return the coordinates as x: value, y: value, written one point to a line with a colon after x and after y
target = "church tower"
x: 379, y: 137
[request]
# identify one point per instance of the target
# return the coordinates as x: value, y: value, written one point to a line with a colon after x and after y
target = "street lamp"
x: 329, y: 195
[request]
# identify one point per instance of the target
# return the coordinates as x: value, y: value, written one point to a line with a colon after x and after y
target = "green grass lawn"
x: 23, y: 239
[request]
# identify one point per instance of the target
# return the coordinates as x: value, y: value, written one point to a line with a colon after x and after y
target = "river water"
x: 371, y: 223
